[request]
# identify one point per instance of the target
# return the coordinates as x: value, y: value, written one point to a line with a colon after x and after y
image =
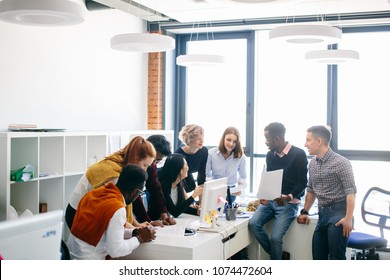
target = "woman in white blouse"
x: 228, y: 160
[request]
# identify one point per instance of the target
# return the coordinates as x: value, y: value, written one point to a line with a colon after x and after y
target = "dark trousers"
x: 328, y: 240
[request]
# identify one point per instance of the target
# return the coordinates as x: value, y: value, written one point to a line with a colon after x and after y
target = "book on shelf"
x: 32, y: 128
x: 21, y: 126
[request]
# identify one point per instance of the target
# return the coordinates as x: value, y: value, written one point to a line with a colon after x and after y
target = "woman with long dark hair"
x: 172, y: 176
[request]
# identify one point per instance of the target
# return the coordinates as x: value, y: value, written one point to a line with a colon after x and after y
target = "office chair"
x: 375, y: 211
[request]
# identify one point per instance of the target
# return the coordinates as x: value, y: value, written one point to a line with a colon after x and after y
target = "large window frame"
x: 180, y: 93
x: 332, y: 96
x: 333, y: 108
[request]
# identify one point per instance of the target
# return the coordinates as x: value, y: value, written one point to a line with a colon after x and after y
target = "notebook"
x: 270, y: 184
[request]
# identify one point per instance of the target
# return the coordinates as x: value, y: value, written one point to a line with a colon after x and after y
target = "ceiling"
x: 170, y: 12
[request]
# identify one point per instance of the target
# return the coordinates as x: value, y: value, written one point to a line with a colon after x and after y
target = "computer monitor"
x: 36, y: 237
x: 213, y: 199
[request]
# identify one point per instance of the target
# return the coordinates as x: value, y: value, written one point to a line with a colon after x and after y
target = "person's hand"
x: 146, y: 234
x: 347, y: 226
x: 128, y: 225
x: 282, y: 201
x: 263, y: 201
x: 144, y: 224
x: 196, y: 206
x: 303, y: 219
x: 169, y: 221
x: 157, y: 223
x: 197, y: 191
x: 236, y: 193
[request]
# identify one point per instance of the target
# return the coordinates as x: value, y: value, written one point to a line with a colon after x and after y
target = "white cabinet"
x: 59, y: 159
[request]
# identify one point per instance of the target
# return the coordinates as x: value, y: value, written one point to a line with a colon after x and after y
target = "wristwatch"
x: 134, y: 233
x: 304, y: 212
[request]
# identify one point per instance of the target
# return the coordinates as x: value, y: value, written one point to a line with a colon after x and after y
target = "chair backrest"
x: 376, y: 208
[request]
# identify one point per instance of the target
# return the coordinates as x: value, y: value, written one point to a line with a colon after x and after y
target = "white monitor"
x: 36, y: 237
x: 212, y: 192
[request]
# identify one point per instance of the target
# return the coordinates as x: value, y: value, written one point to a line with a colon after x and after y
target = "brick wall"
x: 155, y: 97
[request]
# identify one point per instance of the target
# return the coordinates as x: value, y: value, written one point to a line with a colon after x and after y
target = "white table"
x: 202, y: 246
x: 297, y: 241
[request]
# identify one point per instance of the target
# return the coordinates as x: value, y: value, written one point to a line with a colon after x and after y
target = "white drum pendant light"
x: 142, y: 42
x: 332, y: 56
x: 306, y: 34
x: 199, y: 60
x: 43, y: 12
x: 253, y: 1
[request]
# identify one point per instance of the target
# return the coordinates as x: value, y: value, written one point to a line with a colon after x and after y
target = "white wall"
x: 69, y: 77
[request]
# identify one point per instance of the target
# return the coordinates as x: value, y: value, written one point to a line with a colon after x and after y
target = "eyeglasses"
x: 159, y: 159
x: 139, y: 193
x: 134, y: 196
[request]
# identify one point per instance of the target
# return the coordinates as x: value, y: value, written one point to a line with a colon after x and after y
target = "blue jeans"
x: 284, y: 215
x: 328, y: 240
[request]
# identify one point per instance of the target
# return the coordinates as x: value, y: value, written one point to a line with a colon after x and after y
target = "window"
x: 216, y: 95
x: 289, y: 90
x: 265, y: 82
x: 362, y: 92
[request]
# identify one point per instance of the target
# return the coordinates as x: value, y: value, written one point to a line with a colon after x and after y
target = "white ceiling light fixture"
x: 199, y: 59
x: 142, y: 42
x: 306, y: 34
x: 43, y: 12
x: 332, y: 56
x: 253, y: 1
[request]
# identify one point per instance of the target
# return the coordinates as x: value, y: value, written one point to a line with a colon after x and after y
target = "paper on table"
x: 170, y: 231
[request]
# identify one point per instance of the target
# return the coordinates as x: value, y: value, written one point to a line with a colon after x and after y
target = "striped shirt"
x: 331, y: 178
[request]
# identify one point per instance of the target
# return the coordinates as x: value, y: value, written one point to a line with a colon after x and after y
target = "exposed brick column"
x: 155, y: 96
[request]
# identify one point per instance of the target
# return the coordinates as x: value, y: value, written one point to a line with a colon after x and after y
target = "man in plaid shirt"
x: 332, y: 182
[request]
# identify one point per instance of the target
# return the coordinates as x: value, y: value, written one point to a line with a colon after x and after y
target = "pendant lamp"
x: 253, y: 1
x: 43, y: 12
x: 199, y: 59
x: 142, y: 42
x: 332, y: 56
x: 306, y: 34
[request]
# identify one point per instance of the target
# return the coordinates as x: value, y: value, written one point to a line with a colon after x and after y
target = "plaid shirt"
x: 331, y: 178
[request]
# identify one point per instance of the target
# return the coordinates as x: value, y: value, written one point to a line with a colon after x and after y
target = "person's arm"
x: 176, y: 210
x: 301, y: 165
x: 116, y: 245
x: 241, y: 182
x: 139, y: 210
x: 202, y: 166
x: 157, y: 201
x: 347, y: 221
x: 348, y: 181
x: 303, y: 218
x: 181, y: 206
x: 208, y: 167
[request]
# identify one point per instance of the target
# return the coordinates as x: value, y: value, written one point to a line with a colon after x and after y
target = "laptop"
x: 270, y: 184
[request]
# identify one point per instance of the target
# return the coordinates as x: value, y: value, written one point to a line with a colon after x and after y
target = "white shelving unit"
x: 61, y: 158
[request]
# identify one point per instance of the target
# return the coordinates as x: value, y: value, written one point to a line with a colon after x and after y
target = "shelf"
x: 62, y: 156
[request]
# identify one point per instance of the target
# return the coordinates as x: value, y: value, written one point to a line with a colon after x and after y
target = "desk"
x: 297, y: 241
x: 201, y: 246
